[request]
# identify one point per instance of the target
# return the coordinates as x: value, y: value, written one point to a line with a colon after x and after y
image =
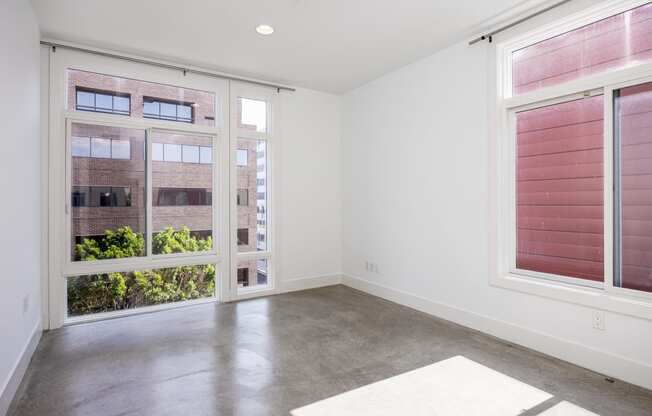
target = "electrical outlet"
x: 598, y: 320
x: 25, y: 304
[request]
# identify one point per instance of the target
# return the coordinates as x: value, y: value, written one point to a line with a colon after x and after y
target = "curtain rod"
x: 185, y: 70
x: 489, y: 36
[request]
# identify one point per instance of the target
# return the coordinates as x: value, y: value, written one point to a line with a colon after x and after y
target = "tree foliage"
x: 115, y: 291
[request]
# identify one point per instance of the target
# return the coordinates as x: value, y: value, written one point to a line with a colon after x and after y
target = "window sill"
x: 620, y: 302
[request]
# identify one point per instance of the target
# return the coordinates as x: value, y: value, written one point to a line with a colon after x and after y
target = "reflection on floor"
x: 271, y: 355
x: 456, y: 386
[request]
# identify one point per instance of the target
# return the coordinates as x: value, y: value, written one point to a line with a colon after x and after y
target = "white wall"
x: 415, y: 201
x: 310, y: 216
x: 20, y: 295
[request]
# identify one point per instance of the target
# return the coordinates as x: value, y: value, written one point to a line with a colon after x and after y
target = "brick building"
x: 109, y: 170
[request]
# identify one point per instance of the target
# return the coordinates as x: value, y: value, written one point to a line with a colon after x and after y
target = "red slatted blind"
x: 559, y: 189
x: 614, y: 42
x: 635, y: 120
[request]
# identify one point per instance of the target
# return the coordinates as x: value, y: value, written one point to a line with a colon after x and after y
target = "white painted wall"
x: 415, y: 201
x: 310, y: 212
x: 20, y: 182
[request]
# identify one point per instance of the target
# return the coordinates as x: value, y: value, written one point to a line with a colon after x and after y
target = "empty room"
x: 326, y: 208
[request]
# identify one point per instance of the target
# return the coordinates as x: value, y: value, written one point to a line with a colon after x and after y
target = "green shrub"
x: 116, y: 291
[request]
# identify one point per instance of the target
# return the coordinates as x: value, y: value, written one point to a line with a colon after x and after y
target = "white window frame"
x: 273, y: 143
x: 502, y: 257
x: 60, y: 265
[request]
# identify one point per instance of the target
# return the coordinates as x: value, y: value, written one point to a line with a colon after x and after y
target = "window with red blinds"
x: 559, y: 189
x: 611, y: 43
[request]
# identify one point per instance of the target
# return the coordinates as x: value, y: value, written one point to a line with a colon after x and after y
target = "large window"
x: 574, y: 152
x: 140, y: 221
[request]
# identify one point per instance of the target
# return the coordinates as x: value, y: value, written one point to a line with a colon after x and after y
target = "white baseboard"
x: 13, y: 381
x: 603, y: 362
x: 313, y: 282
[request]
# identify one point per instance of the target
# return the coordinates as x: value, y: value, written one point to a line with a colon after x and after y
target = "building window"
x: 243, y: 236
x: 190, y: 154
x: 101, y: 196
x: 178, y: 197
x: 167, y: 110
x: 101, y: 148
x: 167, y: 152
x: 243, y: 276
x: 102, y: 101
x: 569, y: 189
x: 242, y: 157
x: 243, y: 197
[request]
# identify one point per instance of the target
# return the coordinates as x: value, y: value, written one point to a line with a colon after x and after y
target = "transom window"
x: 575, y: 153
x: 103, y: 101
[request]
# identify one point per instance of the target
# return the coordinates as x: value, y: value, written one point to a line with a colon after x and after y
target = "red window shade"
x: 559, y: 191
x: 634, y: 136
x: 614, y: 42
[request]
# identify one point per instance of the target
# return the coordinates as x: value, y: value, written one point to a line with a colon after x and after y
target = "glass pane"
x: 242, y: 158
x: 168, y: 110
x: 121, y: 104
x: 109, y: 292
x: 85, y: 99
x: 252, y: 195
x: 143, y: 96
x: 618, y: 41
x: 252, y: 115
x: 172, y: 152
x: 104, y: 101
x: 205, y: 154
x: 184, y: 112
x: 190, y: 154
x: 157, y: 151
x: 633, y: 180
x: 81, y: 146
x: 252, y: 273
x: 120, y: 149
x: 182, y: 212
x: 111, y: 221
x: 100, y: 147
x: 560, y: 189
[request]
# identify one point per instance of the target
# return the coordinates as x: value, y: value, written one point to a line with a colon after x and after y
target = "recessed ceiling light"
x: 265, y: 29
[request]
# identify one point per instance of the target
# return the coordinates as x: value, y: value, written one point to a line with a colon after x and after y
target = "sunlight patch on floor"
x: 456, y: 386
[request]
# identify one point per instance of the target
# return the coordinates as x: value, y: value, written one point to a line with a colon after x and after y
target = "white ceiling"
x: 327, y: 45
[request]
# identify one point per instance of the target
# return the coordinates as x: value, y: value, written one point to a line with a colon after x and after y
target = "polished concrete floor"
x: 270, y: 355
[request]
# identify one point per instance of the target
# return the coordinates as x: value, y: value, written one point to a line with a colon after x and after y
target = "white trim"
x: 12, y: 383
x: 310, y: 282
x: 612, y: 365
x: 75, y: 320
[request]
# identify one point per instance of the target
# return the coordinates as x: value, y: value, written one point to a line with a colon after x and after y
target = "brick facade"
x: 88, y: 221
